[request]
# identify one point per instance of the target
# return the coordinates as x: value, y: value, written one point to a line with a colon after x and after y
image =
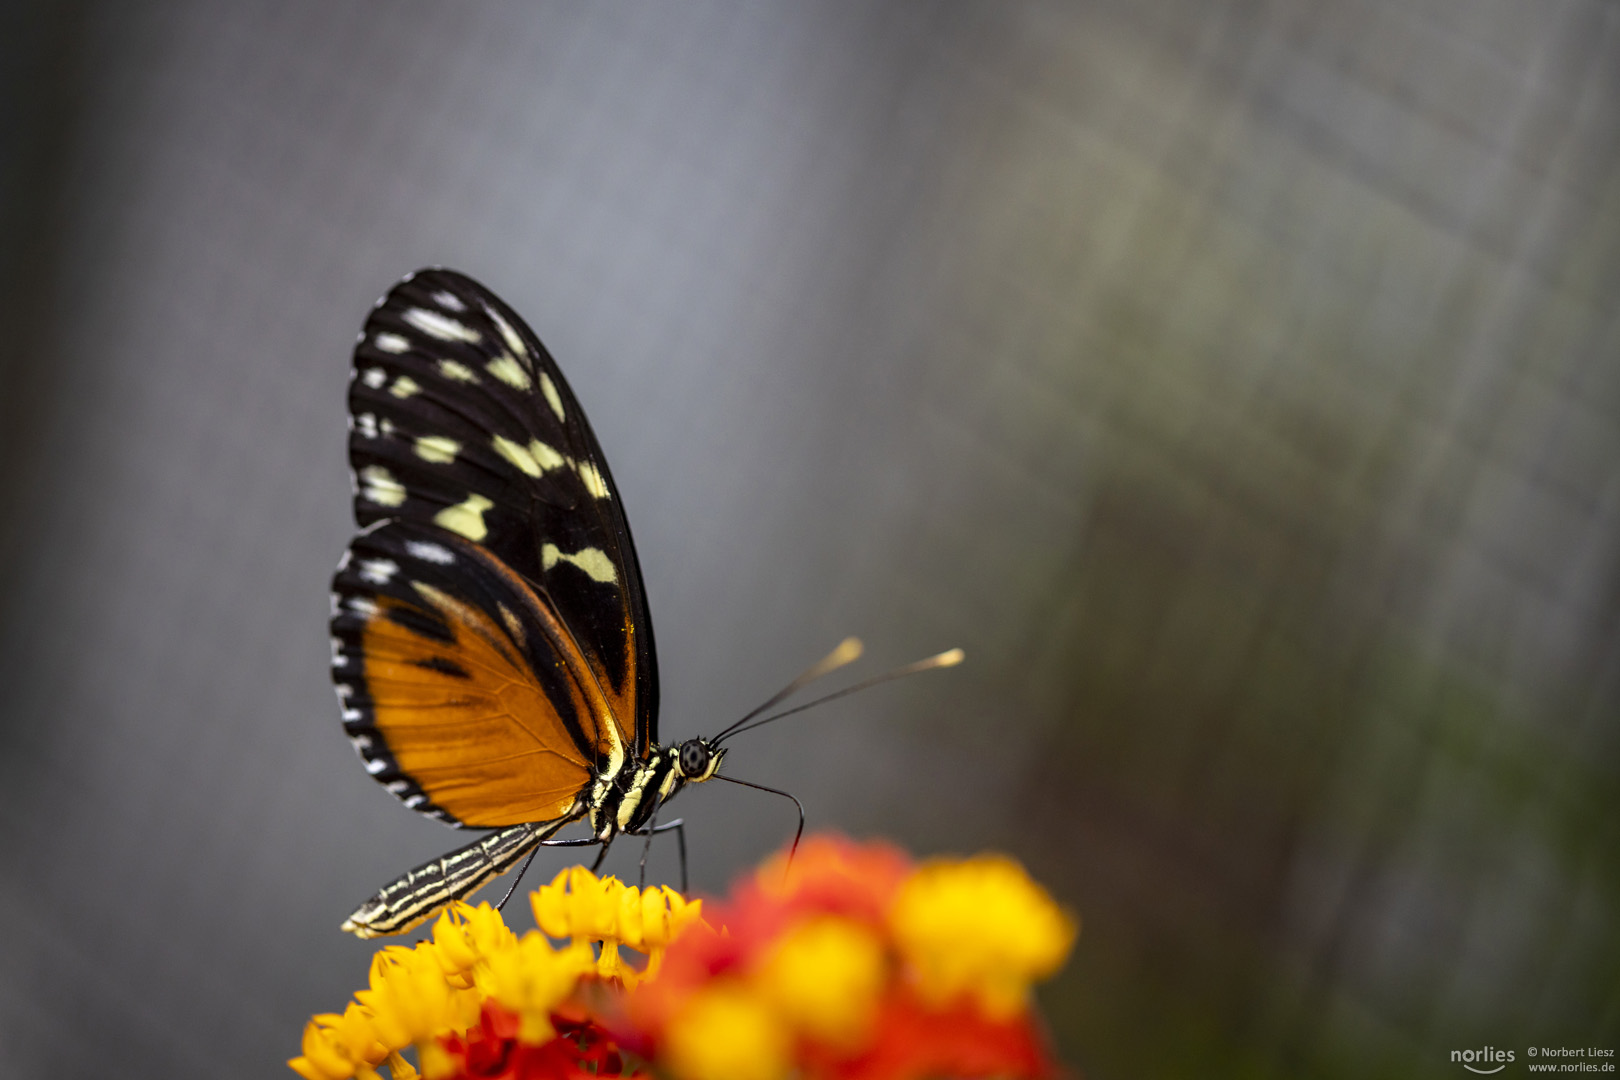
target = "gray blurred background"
x: 1239, y: 383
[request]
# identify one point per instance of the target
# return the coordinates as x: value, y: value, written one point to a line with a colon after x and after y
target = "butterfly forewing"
x: 465, y: 434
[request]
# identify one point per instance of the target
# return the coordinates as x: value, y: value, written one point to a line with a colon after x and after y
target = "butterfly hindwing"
x: 461, y: 688
x: 461, y: 422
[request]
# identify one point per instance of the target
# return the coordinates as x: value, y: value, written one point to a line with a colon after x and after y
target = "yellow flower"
x: 531, y: 978
x: 979, y: 925
x: 338, y: 1047
x: 578, y: 905
x: 464, y: 935
x: 825, y: 976
x: 411, y: 1001
x: 725, y: 1033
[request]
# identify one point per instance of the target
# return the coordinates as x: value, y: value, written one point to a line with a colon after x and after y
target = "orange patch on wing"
x: 606, y: 703
x: 467, y: 721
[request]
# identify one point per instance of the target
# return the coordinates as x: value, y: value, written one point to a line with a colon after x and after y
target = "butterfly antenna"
x: 948, y: 658
x: 848, y: 650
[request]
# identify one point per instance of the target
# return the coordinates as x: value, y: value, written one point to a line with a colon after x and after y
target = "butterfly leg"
x: 679, y: 827
x: 586, y: 841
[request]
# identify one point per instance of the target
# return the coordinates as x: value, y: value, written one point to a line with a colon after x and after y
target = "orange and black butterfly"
x: 492, y: 651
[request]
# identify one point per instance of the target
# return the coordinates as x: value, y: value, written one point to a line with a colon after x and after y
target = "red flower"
x: 582, y: 1050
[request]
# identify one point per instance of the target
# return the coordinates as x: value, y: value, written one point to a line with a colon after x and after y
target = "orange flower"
x: 854, y: 964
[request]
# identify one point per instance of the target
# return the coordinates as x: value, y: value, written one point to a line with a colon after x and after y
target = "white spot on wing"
x: 592, y: 479
x: 374, y: 377
x: 391, y: 343
x: 404, y: 387
x: 437, y: 449
x: 376, y: 765
x: 509, y: 371
x: 362, y: 605
x: 456, y: 371
x: 449, y: 301
x: 554, y: 399
x: 381, y: 487
x: 367, y: 425
x: 378, y: 571
x: 440, y: 326
x: 466, y: 519
x: 429, y: 552
x: 509, y: 335
x: 415, y: 800
x: 593, y: 561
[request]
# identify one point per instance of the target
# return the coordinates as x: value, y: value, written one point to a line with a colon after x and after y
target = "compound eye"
x: 694, y: 758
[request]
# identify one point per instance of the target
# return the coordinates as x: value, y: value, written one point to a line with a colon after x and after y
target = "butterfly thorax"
x: 626, y: 795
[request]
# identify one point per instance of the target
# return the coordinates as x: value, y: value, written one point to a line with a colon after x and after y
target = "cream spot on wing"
x: 513, y: 342
x: 374, y: 377
x: 381, y: 487
x: 513, y: 626
x: 440, y: 326
x: 592, y: 479
x: 545, y: 456
x: 594, y: 561
x: 449, y: 301
x: 404, y: 387
x: 437, y: 449
x: 554, y: 399
x: 517, y: 455
x: 466, y: 519
x: 429, y: 552
x: 378, y: 571
x: 509, y: 371
x: 456, y: 371
x: 360, y: 605
x: 391, y: 343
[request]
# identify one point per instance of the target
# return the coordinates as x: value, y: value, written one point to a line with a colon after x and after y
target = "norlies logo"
x: 1484, y: 1056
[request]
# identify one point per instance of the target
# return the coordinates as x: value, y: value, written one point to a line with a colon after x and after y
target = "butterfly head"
x: 698, y: 760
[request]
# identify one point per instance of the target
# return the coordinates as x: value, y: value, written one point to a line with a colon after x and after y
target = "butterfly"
x: 491, y: 646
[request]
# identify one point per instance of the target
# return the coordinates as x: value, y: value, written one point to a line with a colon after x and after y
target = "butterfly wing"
x: 465, y: 435
x: 461, y: 689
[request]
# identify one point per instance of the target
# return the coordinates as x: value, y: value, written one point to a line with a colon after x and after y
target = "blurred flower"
x: 849, y: 963
x: 981, y: 927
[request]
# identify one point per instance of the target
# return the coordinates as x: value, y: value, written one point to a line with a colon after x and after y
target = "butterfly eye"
x: 694, y: 758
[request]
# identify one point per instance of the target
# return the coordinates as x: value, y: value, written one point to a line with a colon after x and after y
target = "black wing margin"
x: 461, y: 420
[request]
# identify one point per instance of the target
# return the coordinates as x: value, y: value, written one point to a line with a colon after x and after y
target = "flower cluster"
x: 849, y: 963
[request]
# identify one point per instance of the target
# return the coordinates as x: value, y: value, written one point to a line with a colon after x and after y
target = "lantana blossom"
x: 848, y: 962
